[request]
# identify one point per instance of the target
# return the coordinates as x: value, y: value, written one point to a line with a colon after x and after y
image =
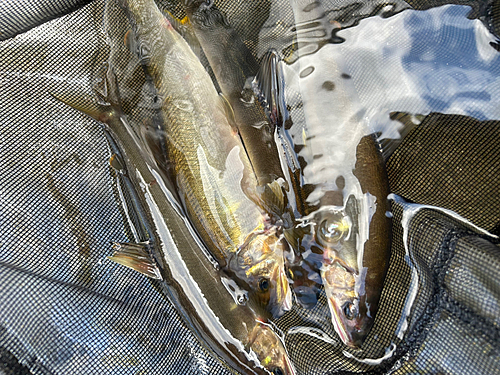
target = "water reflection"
x: 397, y: 68
x: 344, y: 78
x: 396, y: 60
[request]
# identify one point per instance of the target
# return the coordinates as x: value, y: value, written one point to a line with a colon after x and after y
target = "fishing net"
x: 67, y: 309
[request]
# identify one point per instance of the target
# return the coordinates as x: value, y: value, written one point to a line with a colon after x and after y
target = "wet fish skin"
x: 213, y: 175
x: 226, y: 329
x: 343, y: 180
x: 234, y: 65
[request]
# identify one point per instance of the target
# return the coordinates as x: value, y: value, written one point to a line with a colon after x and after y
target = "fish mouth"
x: 353, y: 337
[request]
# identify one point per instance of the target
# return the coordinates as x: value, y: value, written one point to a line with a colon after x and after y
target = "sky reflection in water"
x: 423, y: 61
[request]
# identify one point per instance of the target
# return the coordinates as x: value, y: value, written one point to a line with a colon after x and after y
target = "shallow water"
x: 399, y: 61
x: 410, y: 62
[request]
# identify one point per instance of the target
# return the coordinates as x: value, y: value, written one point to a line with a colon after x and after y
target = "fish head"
x: 338, y: 231
x: 260, y: 269
x: 328, y: 234
x: 270, y: 350
x: 353, y: 241
x: 332, y: 245
x: 351, y: 315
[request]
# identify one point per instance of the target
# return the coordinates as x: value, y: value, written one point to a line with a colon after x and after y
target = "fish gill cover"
x: 240, y: 155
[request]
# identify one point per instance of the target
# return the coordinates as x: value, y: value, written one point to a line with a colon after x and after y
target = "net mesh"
x: 67, y: 309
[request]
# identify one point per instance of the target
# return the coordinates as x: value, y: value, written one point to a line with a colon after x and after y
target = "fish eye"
x: 207, y: 4
x: 333, y: 229
x: 277, y: 371
x: 242, y: 299
x: 349, y: 310
x: 264, y: 284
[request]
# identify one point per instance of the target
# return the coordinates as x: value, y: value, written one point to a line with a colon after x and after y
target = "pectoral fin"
x: 228, y: 110
x: 273, y: 198
x: 136, y: 257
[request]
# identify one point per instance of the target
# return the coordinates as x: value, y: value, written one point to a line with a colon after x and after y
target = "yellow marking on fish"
x: 233, y: 307
x: 344, y: 225
x: 266, y: 361
x: 256, y: 268
x: 185, y: 21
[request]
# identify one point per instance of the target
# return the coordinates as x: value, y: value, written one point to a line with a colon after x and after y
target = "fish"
x: 342, y: 229
x: 234, y: 67
x: 167, y: 250
x: 210, y: 167
x: 237, y: 72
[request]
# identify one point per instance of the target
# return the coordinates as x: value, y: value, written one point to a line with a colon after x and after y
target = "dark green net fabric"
x: 66, y: 309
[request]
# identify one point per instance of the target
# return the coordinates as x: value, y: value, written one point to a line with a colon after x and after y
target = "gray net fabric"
x: 466, y: 185
x: 19, y: 16
x: 66, y: 309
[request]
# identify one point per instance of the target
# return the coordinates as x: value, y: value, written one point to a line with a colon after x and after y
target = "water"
x: 346, y: 72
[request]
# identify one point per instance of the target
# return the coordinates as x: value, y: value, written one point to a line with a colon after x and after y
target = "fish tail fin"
x: 137, y: 257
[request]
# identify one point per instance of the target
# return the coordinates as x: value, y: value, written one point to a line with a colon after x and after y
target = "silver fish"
x: 210, y: 167
x: 170, y: 252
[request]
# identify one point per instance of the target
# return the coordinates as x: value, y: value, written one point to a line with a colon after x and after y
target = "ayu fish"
x: 210, y: 167
x: 168, y: 250
x: 234, y: 67
x: 343, y: 230
x: 236, y: 70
